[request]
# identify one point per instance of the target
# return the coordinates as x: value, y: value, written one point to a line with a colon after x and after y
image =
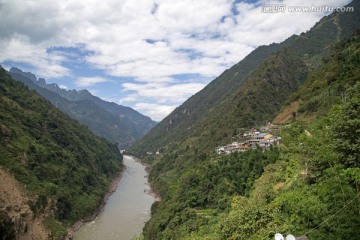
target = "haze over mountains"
x: 116, y: 123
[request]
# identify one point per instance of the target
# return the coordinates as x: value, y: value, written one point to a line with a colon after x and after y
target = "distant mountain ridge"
x: 114, y: 122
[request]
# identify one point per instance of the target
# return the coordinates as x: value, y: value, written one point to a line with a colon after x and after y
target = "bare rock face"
x: 17, y: 220
x: 7, y: 230
x: 29, y: 75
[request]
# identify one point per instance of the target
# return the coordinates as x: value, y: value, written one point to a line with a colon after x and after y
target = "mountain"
x: 127, y: 114
x: 53, y: 170
x: 309, y: 186
x: 114, y: 122
x: 314, y: 185
x: 248, y: 195
x: 196, y: 119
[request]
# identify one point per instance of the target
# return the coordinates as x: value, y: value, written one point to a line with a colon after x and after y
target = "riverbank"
x: 127, y: 209
x: 77, y: 225
x: 152, y: 190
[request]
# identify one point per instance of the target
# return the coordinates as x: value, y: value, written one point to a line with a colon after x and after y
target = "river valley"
x: 127, y: 209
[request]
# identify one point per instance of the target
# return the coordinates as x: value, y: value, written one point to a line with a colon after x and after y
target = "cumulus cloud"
x: 147, y: 42
x: 19, y: 49
x: 164, y: 97
x: 157, y: 111
x: 93, y: 91
x: 89, y: 81
x: 161, y: 92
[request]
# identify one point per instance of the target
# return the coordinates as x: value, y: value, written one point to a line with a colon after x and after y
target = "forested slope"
x: 64, y: 168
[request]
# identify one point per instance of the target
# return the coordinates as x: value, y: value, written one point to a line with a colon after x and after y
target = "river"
x: 126, y: 210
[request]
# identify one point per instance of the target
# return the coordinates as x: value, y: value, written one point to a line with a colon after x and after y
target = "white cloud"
x: 89, y: 81
x: 156, y: 111
x: 20, y: 49
x: 93, y: 91
x: 148, y: 41
x: 161, y: 92
x: 63, y: 87
x: 184, y: 31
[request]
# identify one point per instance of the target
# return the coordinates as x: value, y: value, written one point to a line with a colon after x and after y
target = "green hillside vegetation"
x: 65, y: 167
x: 313, y: 188
x: 256, y: 101
x: 318, y: 94
x: 194, y: 199
x: 309, y: 186
x: 196, y: 120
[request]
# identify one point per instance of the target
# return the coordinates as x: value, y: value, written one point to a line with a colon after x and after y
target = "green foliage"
x: 319, y: 196
x: 60, y: 162
x: 314, y: 200
x: 210, y: 185
x: 56, y: 228
x: 250, y: 220
x: 141, y: 237
x: 346, y: 128
x: 327, y: 85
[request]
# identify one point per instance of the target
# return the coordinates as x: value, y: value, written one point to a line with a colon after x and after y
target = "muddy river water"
x: 127, y: 209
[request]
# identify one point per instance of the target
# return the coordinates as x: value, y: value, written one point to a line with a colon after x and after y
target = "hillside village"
x: 249, y: 140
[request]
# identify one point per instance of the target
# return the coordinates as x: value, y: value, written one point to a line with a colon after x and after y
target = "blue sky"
x: 150, y: 55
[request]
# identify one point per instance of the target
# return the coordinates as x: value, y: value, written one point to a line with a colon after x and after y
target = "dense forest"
x: 307, y: 186
x: 65, y: 169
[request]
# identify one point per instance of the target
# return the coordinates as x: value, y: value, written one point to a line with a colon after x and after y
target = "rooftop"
x: 262, y: 134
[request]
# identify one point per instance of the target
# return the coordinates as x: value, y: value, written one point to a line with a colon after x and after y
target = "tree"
x: 346, y: 130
